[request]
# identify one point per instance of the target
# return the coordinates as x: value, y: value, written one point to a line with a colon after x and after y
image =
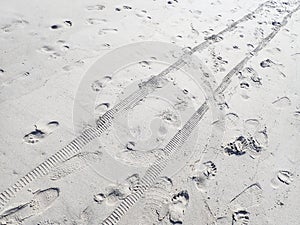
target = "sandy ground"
x: 68, y: 69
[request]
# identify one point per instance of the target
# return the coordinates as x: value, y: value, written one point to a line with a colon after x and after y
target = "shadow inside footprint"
x: 178, y: 206
x: 34, y: 136
x: 40, y: 132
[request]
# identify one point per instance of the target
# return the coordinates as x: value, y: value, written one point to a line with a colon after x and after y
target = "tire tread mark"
x: 105, y: 121
x: 196, y: 117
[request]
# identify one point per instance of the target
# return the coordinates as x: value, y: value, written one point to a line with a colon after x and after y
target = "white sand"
x: 239, y: 166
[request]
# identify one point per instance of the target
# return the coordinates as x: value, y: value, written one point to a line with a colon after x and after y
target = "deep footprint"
x: 178, y: 206
x: 40, y: 132
x: 240, y: 217
x: 241, y: 145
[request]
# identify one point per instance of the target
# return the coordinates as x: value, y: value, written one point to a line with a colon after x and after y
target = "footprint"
x: 41, y: 201
x: 211, y: 170
x: 41, y: 131
x: 99, y: 198
x: 115, y: 193
x: 47, y: 49
x: 218, y: 61
x: 240, y: 217
x: 251, y: 125
x: 244, y: 85
x: 200, y: 182
x: 130, y: 145
x: 197, y: 12
x: 241, y: 145
x: 285, y: 177
x: 97, y: 85
x: 232, y: 120
x: 157, y: 201
x: 107, y: 31
x: 102, y: 108
x: 224, y: 220
x: 127, y: 7
x: 14, y: 25
x: 142, y: 14
x: 282, y: 102
x: 220, y: 100
x: 214, y: 38
x: 249, y: 197
x: 221, y: 60
x: 297, y: 114
x: 170, y: 117
x: 202, y: 173
x: 48, y: 222
x: 96, y: 21
x: 34, y: 136
x: 56, y: 26
x: 95, y: 7
x: 67, y: 68
x: 177, y: 208
x: 253, y: 75
x: 266, y: 63
x: 85, y: 217
x: 133, y: 181
x: 237, y: 147
x: 66, y: 23
x: 75, y: 164
x: 181, y: 105
x: 140, y: 158
x: 257, y: 136
x: 145, y: 64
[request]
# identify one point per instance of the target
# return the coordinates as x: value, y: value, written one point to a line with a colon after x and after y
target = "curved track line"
x: 177, y: 141
x: 75, y: 146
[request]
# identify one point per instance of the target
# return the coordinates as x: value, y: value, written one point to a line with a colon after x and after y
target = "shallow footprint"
x: 75, y: 164
x: 249, y: 197
x: 282, y: 102
x: 85, y: 217
x: 157, y: 200
x: 42, y: 200
x: 140, y: 158
x: 95, y: 7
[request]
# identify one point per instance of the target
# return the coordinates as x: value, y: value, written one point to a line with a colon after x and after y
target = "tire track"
x: 177, y: 141
x: 103, y: 123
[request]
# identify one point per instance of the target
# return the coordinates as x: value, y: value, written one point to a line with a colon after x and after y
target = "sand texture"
x: 149, y: 112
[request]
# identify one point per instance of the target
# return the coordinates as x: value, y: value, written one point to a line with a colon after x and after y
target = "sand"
x: 149, y: 112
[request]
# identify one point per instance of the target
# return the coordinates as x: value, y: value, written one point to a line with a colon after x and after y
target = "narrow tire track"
x: 180, y: 137
x: 103, y: 123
